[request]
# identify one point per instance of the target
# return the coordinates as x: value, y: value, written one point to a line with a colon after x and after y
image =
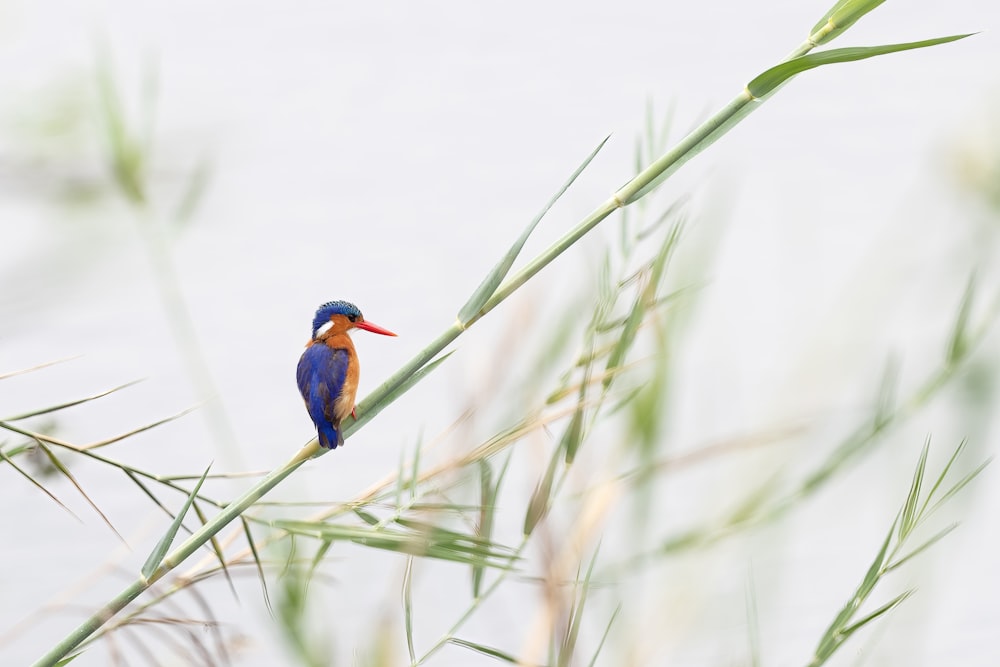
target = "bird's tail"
x: 330, y: 436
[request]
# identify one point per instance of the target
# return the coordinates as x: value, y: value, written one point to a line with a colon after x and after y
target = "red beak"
x: 374, y: 328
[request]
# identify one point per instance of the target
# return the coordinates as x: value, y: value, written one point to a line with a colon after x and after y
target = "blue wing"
x: 320, y: 376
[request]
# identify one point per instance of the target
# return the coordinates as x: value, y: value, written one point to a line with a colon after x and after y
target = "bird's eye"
x: 353, y: 318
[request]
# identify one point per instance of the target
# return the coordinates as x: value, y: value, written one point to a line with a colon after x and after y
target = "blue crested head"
x: 331, y: 308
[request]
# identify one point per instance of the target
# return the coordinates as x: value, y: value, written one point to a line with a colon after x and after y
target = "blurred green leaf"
x: 484, y: 528
x: 194, y: 191
x: 627, y: 338
x: 604, y: 637
x: 128, y: 160
x: 310, y: 648
x: 958, y: 345
x: 573, y: 434
x: 367, y: 517
x: 486, y: 650
x: 538, y: 505
x: 432, y: 542
x: 885, y: 403
x: 408, y: 608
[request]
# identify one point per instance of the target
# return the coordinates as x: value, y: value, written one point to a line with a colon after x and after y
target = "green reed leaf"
x: 770, y: 79
x: 160, y: 550
x: 492, y: 281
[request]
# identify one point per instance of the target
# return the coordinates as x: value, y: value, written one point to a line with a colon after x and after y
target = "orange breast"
x: 344, y: 404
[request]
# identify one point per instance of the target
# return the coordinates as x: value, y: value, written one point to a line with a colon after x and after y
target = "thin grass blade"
x: 885, y: 403
x: 941, y: 477
x: 141, y: 429
x: 958, y: 345
x: 324, y: 548
x: 45, y: 364
x: 770, y: 79
x: 484, y: 528
x: 753, y: 621
x: 624, y: 344
x: 485, y: 650
x: 163, y: 546
x: 884, y: 609
x: 568, y: 647
x: 960, y: 484
x: 604, y: 637
x: 538, y: 505
x: 923, y: 547
x: 127, y: 158
x: 492, y: 281
x: 39, y: 485
x: 834, y: 633
x: 68, y: 475
x: 145, y: 489
x: 414, y: 477
x: 69, y: 404
x: 194, y: 191
x: 408, y: 609
x: 487, y: 520
x: 259, y: 565
x: 217, y: 550
x: 909, y: 516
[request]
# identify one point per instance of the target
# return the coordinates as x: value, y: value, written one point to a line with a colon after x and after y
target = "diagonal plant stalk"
x: 129, y: 152
x: 839, y: 18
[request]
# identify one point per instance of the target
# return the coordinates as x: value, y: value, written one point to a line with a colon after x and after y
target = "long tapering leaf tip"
x: 163, y: 545
x: 488, y: 287
x: 771, y: 79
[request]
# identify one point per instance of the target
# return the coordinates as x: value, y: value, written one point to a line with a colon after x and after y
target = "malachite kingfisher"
x: 328, y: 370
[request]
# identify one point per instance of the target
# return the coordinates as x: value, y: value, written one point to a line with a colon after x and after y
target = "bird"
x: 328, y: 370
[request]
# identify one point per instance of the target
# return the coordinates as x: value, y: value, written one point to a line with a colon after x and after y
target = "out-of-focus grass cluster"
x: 589, y: 437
